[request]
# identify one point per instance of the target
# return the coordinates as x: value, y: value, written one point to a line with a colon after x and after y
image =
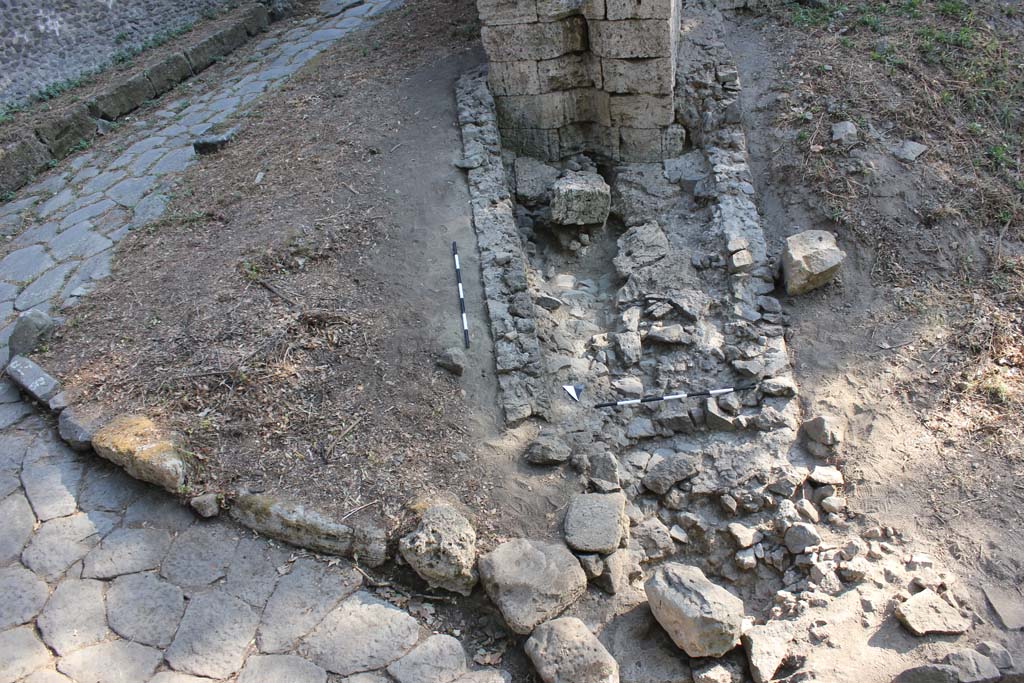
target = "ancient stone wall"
x: 44, y: 42
x: 594, y: 76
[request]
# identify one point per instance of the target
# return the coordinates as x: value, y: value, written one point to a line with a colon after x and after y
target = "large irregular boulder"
x: 580, y: 198
x: 145, y: 451
x: 565, y: 651
x: 926, y: 613
x: 442, y: 550
x: 810, y: 260
x: 531, y: 581
x: 595, y: 522
x: 702, y: 618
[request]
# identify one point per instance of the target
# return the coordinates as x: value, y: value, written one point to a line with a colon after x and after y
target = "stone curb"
x: 28, y: 152
x: 156, y: 457
x: 502, y: 261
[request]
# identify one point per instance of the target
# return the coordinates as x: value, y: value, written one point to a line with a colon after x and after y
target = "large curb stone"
x: 293, y: 523
x: 63, y: 131
x: 21, y: 158
x: 531, y: 581
x: 146, y: 452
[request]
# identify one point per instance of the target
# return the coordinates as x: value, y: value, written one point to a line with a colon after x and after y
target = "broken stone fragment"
x: 811, y: 259
x: 206, y: 505
x: 565, y: 651
x: 999, y: 655
x: 621, y: 568
x: 531, y: 581
x: 453, y: 360
x: 909, y: 151
x: 826, y: 475
x: 669, y: 471
x: 928, y: 673
x: 145, y: 451
x: 652, y: 539
x: 766, y: 647
x: 926, y: 613
x: 35, y: 381
x: 639, y: 247
x: 629, y: 386
x: 669, y: 334
x: 824, y: 429
x: 741, y: 261
x: 442, y: 550
x: 844, y: 132
x: 595, y: 522
x: 629, y: 346
x: 779, y: 386
x: 77, y: 425
x: 973, y: 667
x: 547, y: 449
x: 702, y: 618
x: 801, y: 536
x: 716, y: 419
x: 580, y: 198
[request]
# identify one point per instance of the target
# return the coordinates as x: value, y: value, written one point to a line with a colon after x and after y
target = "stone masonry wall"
x: 593, y: 76
x: 44, y: 42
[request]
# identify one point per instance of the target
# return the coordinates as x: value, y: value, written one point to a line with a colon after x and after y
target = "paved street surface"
x: 107, y: 580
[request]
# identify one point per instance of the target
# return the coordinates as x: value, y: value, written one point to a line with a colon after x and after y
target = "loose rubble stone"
x: 801, y: 536
x: 1008, y: 606
x: 909, y: 151
x: 145, y: 609
x: 926, y: 613
x: 824, y: 429
x: 594, y: 522
x: 973, y: 667
x: 531, y: 581
x: 547, y: 449
x: 127, y: 551
x: 31, y: 329
x: 442, y: 550
x: 24, y: 595
x: 75, y: 616
x: 116, y: 661
x: 653, y: 539
x: 280, y: 669
x: 621, y: 569
x: 928, y: 673
x: 21, y: 653
x: 640, y: 247
x: 811, y: 259
x: 213, y: 636
x: 143, y: 450
x: 670, y: 471
x: 533, y: 179
x: 999, y: 655
x: 580, y: 198
x: 207, y: 505
x: 453, y: 360
x: 826, y: 475
x: 703, y: 619
x: 766, y: 647
x: 211, y: 144
x: 565, y: 651
x: 362, y: 634
x: 438, y: 659
x: 302, y: 598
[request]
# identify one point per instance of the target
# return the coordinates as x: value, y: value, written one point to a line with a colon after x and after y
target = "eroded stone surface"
x: 145, y: 609
x: 565, y: 651
x: 702, y: 618
x: 213, y: 635
x: 442, y: 550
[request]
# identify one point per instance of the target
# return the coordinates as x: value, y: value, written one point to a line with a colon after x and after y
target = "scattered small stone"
x: 827, y: 475
x: 926, y: 613
x: 702, y: 618
x: 548, y: 302
x: 928, y: 673
x: 811, y: 259
x: 547, y: 449
x: 453, y: 360
x: 824, y: 429
x: 565, y: 651
x: 653, y: 538
x: 973, y: 667
x: 629, y: 386
x: 909, y: 151
x: 442, y: 550
x: 833, y: 504
x: 999, y: 655
x: 801, y: 536
x: 844, y: 132
x: 621, y: 569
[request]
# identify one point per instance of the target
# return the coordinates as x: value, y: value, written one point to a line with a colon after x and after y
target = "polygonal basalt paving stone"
x: 127, y: 551
x: 145, y: 160
x: 117, y: 661
x: 57, y: 201
x: 158, y: 511
x: 38, y: 234
x: 74, y: 617
x: 107, y: 487
x: 80, y: 241
x: 52, y: 486
x: 48, y: 676
x: 150, y: 209
x: 24, y: 594
x: 44, y: 288
x: 103, y: 181
x: 253, y: 573
x: 146, y: 144
x: 16, y: 526
x: 129, y: 191
x: 175, y: 161
x: 21, y: 653
x: 200, y: 555
x: 145, y: 609
x: 213, y: 636
x: 61, y: 542
x: 175, y: 677
x: 25, y: 264
x: 301, y: 600
x: 279, y: 668
x: 97, y: 208
x: 362, y: 634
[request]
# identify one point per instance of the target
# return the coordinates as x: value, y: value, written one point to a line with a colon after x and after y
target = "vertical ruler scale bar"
x: 462, y: 294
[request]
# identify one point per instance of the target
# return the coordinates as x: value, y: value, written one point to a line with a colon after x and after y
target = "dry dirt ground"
x: 920, y: 344
x: 287, y: 316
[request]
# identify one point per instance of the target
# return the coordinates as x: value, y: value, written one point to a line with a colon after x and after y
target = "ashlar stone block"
x: 632, y: 38
x: 502, y: 12
x: 641, y: 9
x: 639, y: 76
x: 542, y: 40
x: 641, y: 111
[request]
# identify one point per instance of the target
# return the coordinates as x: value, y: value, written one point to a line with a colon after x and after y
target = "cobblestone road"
x: 107, y: 580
